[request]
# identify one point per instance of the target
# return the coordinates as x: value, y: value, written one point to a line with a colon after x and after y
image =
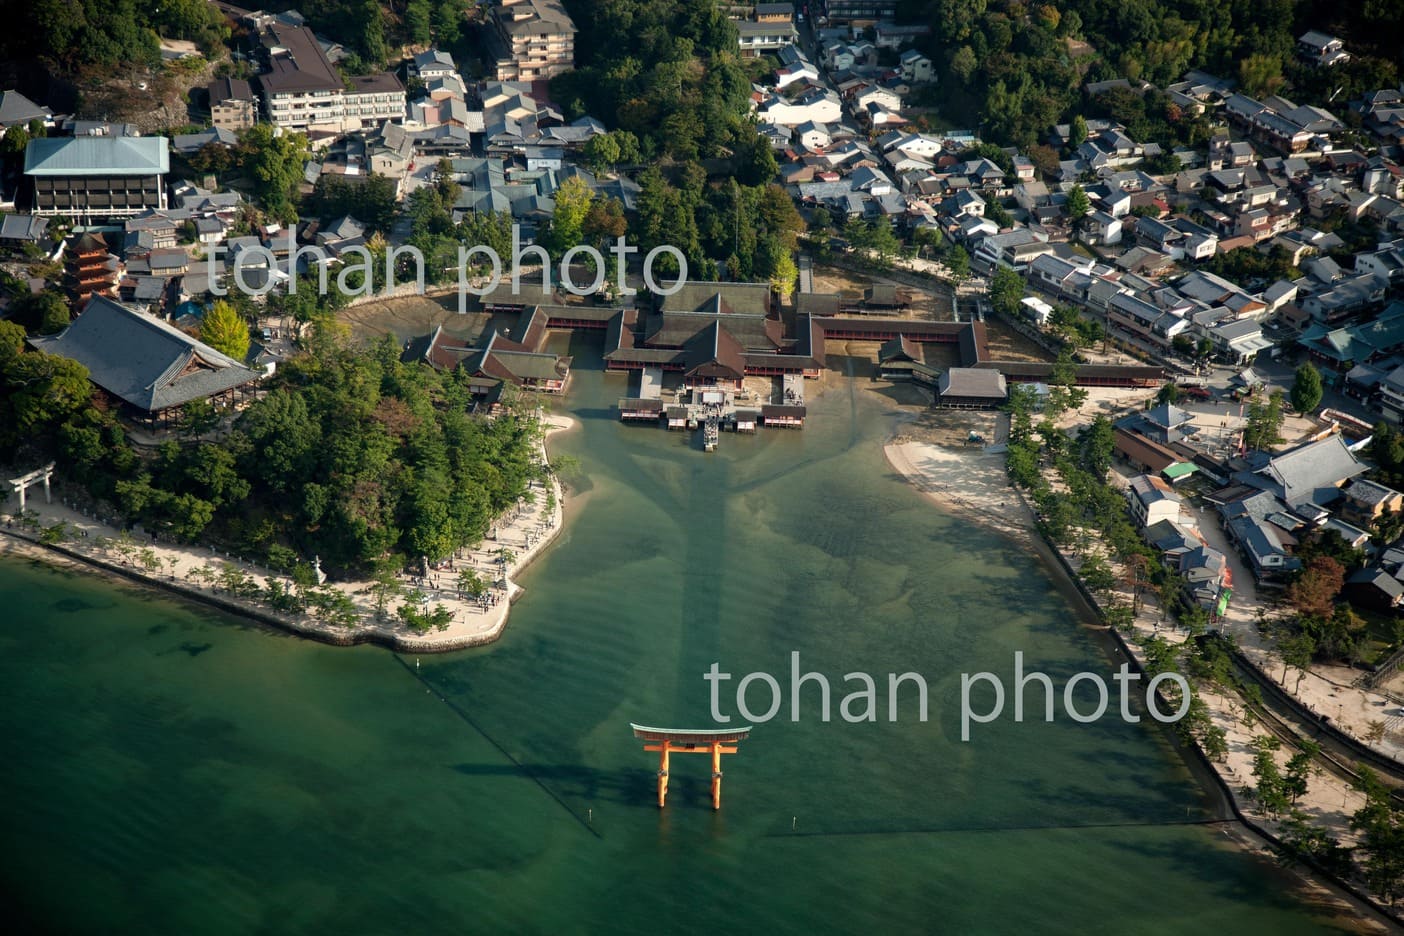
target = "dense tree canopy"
x: 75, y: 35
x: 352, y: 455
x: 1020, y: 68
x: 667, y: 71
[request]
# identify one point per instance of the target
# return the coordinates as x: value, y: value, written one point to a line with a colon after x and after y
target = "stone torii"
x: 40, y: 474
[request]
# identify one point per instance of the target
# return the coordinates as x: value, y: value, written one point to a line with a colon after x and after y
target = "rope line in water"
x: 953, y: 830
x: 527, y: 771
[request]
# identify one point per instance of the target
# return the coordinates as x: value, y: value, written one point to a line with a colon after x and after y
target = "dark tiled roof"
x: 297, y: 62
x: 731, y: 298
x: 229, y: 89
x: 141, y: 359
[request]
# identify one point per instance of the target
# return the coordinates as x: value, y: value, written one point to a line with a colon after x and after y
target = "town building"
x: 862, y: 12
x: 533, y: 40
x: 233, y: 105
x: 1367, y: 501
x: 1321, y: 49
x: 1152, y: 500
x: 302, y: 91
x: 89, y: 178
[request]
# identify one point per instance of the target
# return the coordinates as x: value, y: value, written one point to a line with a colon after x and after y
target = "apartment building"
x: 534, y: 40
x: 302, y: 90
x: 232, y: 104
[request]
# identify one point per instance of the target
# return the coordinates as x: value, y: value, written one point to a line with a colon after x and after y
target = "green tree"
x: 284, y: 439
x: 44, y: 312
x: 1096, y: 444
x: 1063, y: 392
x: 601, y: 152
x: 964, y: 63
x: 757, y: 165
x: 1270, y: 791
x: 371, y: 34
x: 573, y: 200
x: 1264, y: 424
x: 1381, y: 836
x: 448, y: 22
x: 1260, y: 74
x: 418, y: 21
x: 1299, y: 770
x: 38, y: 391
x: 1077, y: 133
x: 14, y: 141
x: 1006, y: 291
x: 274, y: 162
x: 225, y: 330
x: 1079, y: 206
x: 1306, y: 389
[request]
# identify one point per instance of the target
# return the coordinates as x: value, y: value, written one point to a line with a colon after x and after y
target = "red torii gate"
x: 712, y: 741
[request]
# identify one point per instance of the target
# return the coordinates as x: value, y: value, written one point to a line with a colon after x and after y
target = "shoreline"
x: 938, y: 473
x: 472, y: 626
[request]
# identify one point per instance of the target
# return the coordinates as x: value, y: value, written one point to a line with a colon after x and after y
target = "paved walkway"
x: 523, y: 533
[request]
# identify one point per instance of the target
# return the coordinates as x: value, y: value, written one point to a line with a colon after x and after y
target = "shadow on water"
x: 188, y: 648
x: 526, y: 771
x: 621, y: 787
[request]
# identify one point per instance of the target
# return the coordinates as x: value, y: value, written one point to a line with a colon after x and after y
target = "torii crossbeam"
x: 712, y: 741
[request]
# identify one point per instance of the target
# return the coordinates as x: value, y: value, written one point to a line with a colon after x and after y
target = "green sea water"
x: 168, y: 769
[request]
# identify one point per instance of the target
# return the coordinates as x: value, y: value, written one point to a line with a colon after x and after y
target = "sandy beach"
x: 524, y: 533
x: 969, y: 483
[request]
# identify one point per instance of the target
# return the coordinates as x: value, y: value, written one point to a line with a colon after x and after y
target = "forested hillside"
x: 1016, y: 68
x: 352, y: 455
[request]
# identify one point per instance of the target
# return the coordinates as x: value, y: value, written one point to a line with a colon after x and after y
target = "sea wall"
x: 1225, y: 796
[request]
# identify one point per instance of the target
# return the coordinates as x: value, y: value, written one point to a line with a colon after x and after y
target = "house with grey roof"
x: 23, y: 229
x: 1205, y: 571
x: 1312, y: 473
x: 1373, y: 587
x: 1165, y: 423
x: 188, y: 144
x: 1366, y: 501
x: 433, y: 63
x: 1321, y: 49
x: 152, y: 367
x: 1263, y: 545
x: 1171, y: 539
x: 1152, y: 500
x: 16, y: 110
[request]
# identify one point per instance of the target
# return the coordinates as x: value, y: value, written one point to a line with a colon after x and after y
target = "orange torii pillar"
x: 667, y: 743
